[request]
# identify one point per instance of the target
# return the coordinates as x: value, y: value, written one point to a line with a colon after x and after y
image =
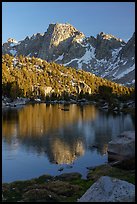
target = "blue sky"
x: 21, y: 19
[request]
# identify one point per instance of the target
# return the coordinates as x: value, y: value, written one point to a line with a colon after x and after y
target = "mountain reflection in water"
x: 45, y: 129
x: 61, y: 136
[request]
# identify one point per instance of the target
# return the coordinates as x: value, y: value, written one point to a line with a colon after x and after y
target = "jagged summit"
x: 11, y: 40
x: 104, y: 55
x: 109, y: 37
x: 60, y: 32
x: 62, y: 26
x: 58, y: 38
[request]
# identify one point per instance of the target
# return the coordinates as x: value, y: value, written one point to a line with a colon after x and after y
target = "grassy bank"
x: 63, y: 188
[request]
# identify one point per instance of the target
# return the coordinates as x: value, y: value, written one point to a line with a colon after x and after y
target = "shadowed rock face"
x: 105, y: 44
x: 106, y: 55
x: 129, y: 49
x: 57, y: 40
x: 122, y: 147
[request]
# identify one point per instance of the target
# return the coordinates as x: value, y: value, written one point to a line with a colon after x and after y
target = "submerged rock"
x: 108, y: 189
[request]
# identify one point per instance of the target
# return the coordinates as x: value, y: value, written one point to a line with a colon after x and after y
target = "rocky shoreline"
x: 67, y: 187
x: 116, y: 107
x: 71, y: 187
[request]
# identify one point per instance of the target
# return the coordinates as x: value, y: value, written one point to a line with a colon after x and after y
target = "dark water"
x: 40, y: 139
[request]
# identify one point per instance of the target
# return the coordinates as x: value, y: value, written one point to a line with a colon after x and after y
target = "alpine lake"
x: 49, y: 139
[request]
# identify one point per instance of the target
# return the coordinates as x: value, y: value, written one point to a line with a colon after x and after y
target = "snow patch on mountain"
x: 89, y: 54
x: 81, y: 41
x: 130, y: 69
x: 115, y: 53
x: 104, y: 55
x: 60, y: 57
x: 13, y: 52
x: 66, y: 64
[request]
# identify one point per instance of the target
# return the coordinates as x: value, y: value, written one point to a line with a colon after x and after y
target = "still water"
x: 43, y: 139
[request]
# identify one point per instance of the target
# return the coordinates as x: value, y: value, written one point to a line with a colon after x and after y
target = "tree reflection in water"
x: 62, y: 136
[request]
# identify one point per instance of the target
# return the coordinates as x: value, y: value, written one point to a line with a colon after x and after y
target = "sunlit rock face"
x: 57, y: 40
x: 11, y: 40
x: 104, y: 55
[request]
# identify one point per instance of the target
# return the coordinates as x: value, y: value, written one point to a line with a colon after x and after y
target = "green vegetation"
x: 63, y: 188
x: 33, y: 77
x: 107, y: 170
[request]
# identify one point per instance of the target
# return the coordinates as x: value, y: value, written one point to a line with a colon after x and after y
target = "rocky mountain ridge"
x: 106, y: 55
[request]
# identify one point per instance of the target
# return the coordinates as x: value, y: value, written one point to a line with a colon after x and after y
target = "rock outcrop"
x: 7, y: 102
x: 122, y: 147
x: 105, y: 44
x: 106, y: 55
x: 107, y: 189
x: 57, y: 40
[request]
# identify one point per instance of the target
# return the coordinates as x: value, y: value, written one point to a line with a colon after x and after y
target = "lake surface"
x: 41, y: 139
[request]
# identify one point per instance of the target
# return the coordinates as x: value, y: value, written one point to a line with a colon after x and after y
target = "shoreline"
x: 119, y: 107
x: 66, y: 187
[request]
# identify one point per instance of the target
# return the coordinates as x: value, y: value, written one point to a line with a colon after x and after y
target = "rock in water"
x: 108, y: 189
x: 122, y: 147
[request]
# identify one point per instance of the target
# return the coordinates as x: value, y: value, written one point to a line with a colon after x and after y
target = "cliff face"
x: 106, y: 55
x: 57, y: 40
